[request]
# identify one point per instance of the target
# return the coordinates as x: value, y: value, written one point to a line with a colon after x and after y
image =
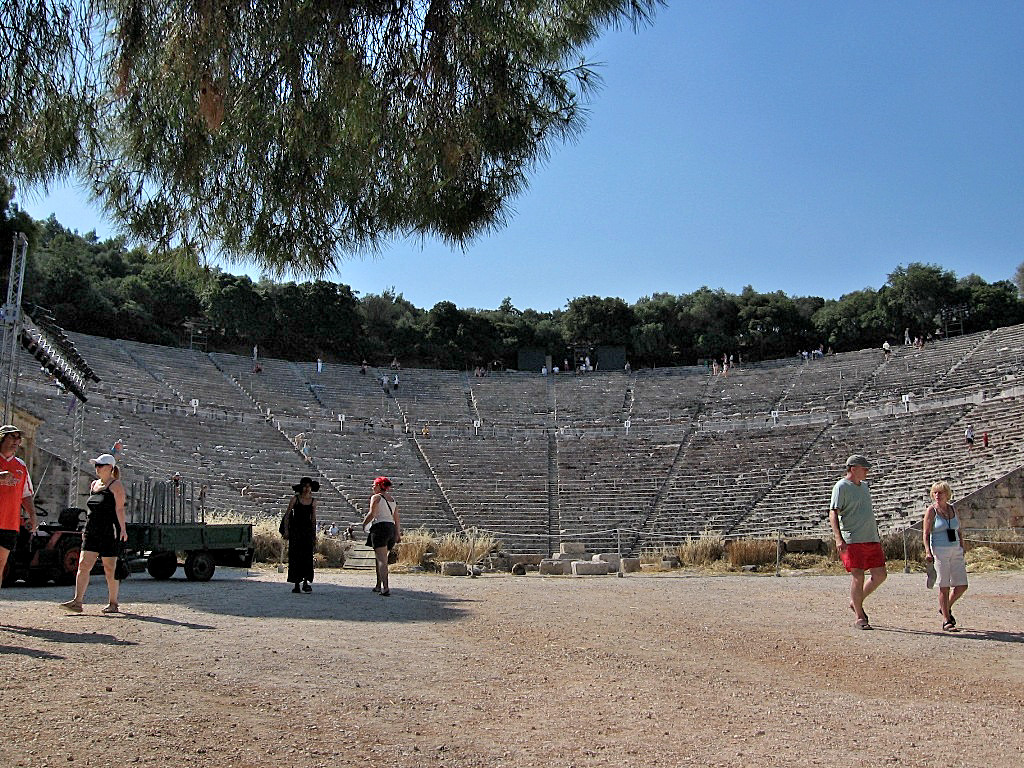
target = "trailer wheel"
x: 199, y: 566
x: 162, y: 564
x: 69, y: 550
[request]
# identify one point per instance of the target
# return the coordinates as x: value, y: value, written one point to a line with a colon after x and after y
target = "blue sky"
x: 808, y: 147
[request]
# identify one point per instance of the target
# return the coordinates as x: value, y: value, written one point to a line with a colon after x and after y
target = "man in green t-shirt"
x: 856, y: 533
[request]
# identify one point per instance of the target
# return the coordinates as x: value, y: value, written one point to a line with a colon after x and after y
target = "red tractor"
x: 50, y: 555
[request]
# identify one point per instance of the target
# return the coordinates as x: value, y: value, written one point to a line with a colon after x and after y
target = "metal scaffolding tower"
x: 75, y: 467
x: 12, y: 324
x: 39, y: 334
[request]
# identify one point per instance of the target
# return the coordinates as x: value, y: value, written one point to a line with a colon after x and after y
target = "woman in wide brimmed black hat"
x: 301, y: 530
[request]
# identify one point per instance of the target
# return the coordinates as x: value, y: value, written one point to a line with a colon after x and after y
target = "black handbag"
x: 121, y: 571
x: 283, y: 528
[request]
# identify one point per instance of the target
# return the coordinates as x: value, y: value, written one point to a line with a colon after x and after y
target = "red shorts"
x: 863, y: 557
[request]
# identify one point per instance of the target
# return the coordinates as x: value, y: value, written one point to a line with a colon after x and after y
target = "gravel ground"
x: 666, y: 669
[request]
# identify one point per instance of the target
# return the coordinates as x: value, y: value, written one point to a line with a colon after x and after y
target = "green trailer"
x: 164, y: 525
x: 203, y: 545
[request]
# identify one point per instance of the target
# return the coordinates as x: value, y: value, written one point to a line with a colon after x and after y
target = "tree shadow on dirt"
x: 251, y: 598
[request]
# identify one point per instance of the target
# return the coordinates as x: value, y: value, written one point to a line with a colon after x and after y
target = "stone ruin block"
x: 589, y: 568
x: 631, y: 565
x: 553, y: 567
x: 572, y: 548
x: 454, y: 568
x: 810, y: 546
x: 612, y: 558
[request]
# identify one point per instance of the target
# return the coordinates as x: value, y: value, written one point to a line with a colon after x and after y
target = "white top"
x: 384, y: 509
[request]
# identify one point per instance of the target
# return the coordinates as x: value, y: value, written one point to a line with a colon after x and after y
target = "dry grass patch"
x: 470, y: 547
x: 752, y: 552
x: 702, y: 551
x: 416, y: 548
x: 805, y: 561
x: 655, y: 555
x: 1007, y: 542
x: 268, y: 547
x: 332, y: 552
x: 892, y: 545
x: 988, y: 559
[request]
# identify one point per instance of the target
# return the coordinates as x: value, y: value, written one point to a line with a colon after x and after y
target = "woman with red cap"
x: 385, y: 529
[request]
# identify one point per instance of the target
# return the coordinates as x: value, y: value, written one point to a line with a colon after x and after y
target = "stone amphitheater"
x: 607, y: 459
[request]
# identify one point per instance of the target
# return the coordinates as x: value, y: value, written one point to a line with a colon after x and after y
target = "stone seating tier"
x: 672, y: 476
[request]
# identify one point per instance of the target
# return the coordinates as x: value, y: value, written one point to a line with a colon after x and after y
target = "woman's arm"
x: 373, y: 510
x: 119, y: 497
x: 398, y: 524
x: 926, y: 530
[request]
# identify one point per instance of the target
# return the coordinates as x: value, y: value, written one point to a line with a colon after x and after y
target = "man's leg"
x: 3, y: 561
x: 877, y: 576
x: 857, y: 593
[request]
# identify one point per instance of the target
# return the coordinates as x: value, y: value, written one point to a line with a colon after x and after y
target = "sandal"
x: 111, y: 608
x: 385, y: 593
x: 862, y: 624
x: 949, y: 626
x: 376, y: 589
x: 862, y: 609
x: 72, y: 605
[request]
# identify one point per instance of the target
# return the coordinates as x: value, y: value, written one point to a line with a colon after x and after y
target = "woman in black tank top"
x: 104, y: 532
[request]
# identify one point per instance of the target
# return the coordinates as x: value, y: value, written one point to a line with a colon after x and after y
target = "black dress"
x: 101, y: 528
x: 301, y: 538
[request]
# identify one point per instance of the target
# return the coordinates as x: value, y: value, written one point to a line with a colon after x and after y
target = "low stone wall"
x: 999, y: 504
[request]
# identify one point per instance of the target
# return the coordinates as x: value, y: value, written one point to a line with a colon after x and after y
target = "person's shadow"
x: 60, y: 636
x: 964, y: 633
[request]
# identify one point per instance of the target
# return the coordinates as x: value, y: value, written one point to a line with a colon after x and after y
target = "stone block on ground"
x: 589, y: 568
x: 553, y: 567
x: 612, y: 558
x: 630, y: 565
x: 810, y: 546
x: 572, y: 548
x: 454, y: 568
x: 566, y: 556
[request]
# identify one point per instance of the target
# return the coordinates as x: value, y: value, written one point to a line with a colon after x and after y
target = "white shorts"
x: 950, y: 566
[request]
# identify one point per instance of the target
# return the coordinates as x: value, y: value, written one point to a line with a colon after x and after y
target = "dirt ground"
x: 669, y: 669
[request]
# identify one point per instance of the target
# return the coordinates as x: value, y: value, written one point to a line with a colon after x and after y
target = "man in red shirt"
x: 15, y: 492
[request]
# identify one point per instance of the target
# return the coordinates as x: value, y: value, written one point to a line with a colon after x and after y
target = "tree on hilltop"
x: 290, y: 135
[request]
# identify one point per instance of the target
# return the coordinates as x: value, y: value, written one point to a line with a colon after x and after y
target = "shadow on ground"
x: 234, y: 592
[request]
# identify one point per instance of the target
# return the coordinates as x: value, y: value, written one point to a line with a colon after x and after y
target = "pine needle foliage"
x: 293, y: 134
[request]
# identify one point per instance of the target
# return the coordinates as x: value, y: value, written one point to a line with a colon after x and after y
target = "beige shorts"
x: 950, y: 566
